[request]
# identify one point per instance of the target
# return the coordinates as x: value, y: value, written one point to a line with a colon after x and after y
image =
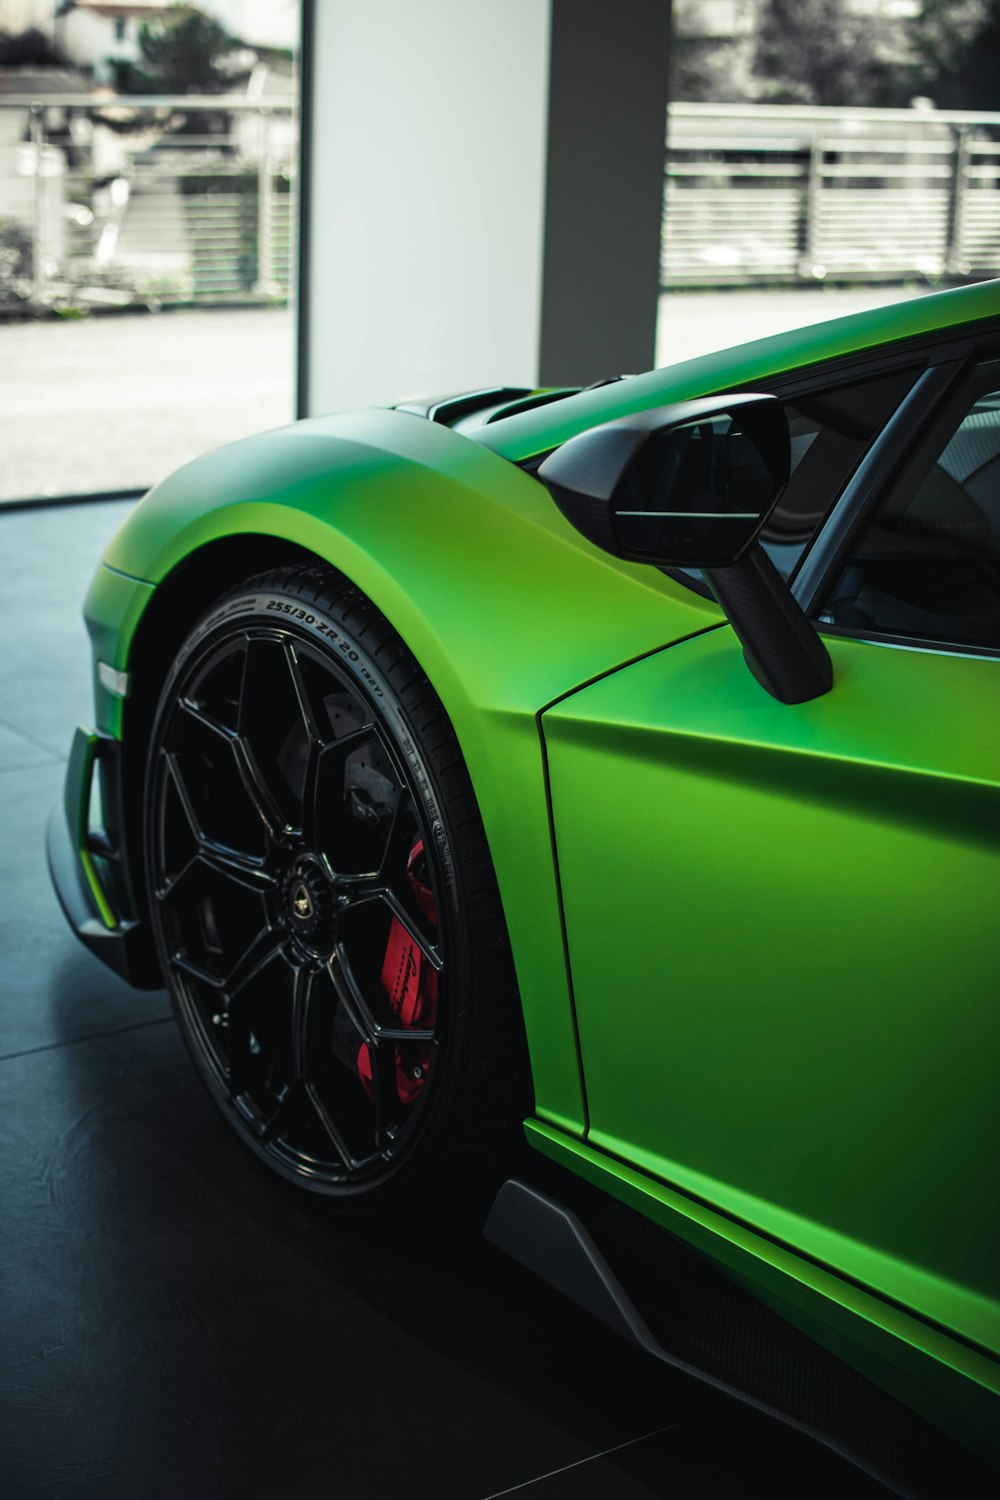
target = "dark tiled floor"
x: 174, y: 1324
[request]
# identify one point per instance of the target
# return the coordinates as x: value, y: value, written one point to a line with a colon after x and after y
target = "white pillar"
x: 426, y: 178
x: 482, y: 192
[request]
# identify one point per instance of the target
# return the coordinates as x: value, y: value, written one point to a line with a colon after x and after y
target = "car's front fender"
x: 504, y: 605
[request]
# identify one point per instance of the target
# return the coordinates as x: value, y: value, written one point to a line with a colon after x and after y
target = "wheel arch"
x: 181, y: 597
x: 186, y: 591
x: 502, y: 604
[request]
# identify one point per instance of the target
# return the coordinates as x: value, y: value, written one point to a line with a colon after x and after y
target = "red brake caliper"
x: 410, y: 983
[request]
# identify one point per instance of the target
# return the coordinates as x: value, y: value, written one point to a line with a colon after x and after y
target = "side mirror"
x: 683, y: 486
x: 691, y: 486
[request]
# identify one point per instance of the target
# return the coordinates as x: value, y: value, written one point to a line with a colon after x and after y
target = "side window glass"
x: 831, y: 430
x: 928, y: 564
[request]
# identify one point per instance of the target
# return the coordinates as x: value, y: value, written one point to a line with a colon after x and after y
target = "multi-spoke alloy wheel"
x: 319, y: 921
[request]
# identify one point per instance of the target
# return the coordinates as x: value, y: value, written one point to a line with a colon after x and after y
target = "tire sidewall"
x: 321, y: 625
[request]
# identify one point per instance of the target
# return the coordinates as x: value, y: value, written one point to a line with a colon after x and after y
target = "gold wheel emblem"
x: 302, y: 901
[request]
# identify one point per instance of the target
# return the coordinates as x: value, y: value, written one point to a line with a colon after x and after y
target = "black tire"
x: 323, y: 901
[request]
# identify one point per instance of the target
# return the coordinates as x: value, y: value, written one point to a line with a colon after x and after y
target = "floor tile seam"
x: 93, y: 1036
x: 591, y: 1458
x: 32, y: 739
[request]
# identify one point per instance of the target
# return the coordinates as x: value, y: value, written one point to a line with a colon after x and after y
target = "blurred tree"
x: 709, y: 60
x: 822, y: 52
x: 184, y: 52
x: 705, y: 69
x: 956, y: 47
x: 839, y: 52
x: 15, y: 262
x: 30, y: 48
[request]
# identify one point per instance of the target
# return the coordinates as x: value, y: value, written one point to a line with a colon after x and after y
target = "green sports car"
x: 616, y: 768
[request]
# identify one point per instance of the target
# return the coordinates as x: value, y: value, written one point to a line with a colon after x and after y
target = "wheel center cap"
x: 310, y: 907
x: 302, y: 902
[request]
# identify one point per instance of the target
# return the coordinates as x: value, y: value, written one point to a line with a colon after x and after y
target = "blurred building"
x: 95, y: 35
x: 24, y: 15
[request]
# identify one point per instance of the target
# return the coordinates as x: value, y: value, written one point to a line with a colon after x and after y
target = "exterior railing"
x: 784, y: 194
x: 160, y: 199
x: 146, y: 200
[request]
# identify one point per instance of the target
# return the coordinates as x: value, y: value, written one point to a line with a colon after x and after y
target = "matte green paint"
x: 79, y: 777
x: 797, y: 913
x: 537, y: 431
x: 502, y: 602
x: 114, y: 606
x: 842, y: 841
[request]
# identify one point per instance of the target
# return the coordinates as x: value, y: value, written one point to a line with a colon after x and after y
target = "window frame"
x: 919, y: 431
x: 944, y: 347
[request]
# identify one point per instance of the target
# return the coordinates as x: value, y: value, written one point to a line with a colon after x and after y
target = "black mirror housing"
x: 691, y: 486
x: 687, y: 485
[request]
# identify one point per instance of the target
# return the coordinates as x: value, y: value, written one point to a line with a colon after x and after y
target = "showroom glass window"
x: 146, y: 248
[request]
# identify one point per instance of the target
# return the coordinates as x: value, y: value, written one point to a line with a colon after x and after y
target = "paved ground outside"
x: 693, y: 323
x: 110, y: 403
x: 117, y: 403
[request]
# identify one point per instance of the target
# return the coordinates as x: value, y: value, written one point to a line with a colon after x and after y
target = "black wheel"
x: 323, y: 901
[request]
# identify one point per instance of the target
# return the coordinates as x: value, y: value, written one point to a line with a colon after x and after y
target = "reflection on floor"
x: 176, y: 1324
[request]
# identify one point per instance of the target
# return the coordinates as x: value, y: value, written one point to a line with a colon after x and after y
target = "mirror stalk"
x: 691, y: 486
x: 780, y: 645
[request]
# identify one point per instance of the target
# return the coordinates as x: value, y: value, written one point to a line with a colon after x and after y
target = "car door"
x: 782, y: 921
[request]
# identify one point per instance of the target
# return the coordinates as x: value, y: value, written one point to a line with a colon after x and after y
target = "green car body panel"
x: 849, y: 850
x: 493, y: 592
x: 811, y: 1102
